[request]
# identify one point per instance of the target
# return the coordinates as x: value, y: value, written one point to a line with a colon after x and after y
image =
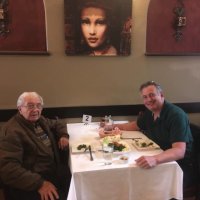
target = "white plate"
x: 145, y: 144
x: 75, y: 149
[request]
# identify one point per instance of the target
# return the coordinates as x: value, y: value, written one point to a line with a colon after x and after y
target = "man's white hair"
x: 20, y: 100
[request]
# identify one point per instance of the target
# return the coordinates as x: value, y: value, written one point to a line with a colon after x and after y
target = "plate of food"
x: 145, y: 144
x: 104, y: 133
x: 110, y: 139
x: 81, y: 148
x: 120, y: 147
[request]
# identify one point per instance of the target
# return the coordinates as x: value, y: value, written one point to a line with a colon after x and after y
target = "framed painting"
x: 98, y: 27
x: 22, y: 27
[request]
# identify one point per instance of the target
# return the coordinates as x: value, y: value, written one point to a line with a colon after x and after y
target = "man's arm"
x: 175, y: 153
x: 60, y: 130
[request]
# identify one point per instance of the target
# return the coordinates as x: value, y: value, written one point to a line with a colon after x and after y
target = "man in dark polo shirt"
x: 167, y: 125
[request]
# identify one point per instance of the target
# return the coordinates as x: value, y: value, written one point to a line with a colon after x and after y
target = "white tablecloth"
x: 92, y: 180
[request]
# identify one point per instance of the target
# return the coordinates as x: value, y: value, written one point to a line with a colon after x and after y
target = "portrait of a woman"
x: 95, y: 26
x: 97, y: 31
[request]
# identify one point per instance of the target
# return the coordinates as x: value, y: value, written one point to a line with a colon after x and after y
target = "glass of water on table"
x: 107, y: 153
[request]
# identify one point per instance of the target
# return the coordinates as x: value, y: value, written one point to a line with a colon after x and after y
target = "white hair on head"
x: 21, y: 98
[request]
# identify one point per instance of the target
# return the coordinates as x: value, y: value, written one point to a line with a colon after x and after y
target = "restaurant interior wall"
x: 67, y: 81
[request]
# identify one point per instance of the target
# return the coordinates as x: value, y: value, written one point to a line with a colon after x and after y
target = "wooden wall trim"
x: 97, y: 111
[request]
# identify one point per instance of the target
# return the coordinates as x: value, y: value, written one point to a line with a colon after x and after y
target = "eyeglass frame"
x: 33, y: 106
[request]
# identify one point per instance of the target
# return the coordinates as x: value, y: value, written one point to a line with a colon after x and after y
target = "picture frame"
x: 115, y: 18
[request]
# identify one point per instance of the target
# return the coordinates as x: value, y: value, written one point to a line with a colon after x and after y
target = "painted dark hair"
x: 104, y: 5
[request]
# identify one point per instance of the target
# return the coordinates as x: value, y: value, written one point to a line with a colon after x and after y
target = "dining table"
x: 93, y: 180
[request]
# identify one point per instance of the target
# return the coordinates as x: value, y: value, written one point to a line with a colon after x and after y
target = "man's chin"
x: 33, y: 119
x: 150, y: 107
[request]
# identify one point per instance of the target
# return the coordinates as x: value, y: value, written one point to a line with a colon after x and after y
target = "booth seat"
x: 193, y: 190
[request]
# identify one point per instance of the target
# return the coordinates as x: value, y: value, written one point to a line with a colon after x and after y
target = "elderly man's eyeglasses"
x: 33, y: 106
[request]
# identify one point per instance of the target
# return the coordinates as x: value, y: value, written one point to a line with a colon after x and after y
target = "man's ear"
x: 19, y: 109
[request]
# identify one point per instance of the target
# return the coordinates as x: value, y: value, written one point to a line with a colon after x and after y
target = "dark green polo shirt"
x: 172, y: 126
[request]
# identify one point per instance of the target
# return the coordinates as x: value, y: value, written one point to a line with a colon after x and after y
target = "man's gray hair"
x: 20, y: 100
x: 149, y: 83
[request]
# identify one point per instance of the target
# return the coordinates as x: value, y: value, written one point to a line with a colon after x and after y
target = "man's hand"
x: 175, y: 153
x: 48, y: 191
x: 146, y: 162
x: 63, y: 143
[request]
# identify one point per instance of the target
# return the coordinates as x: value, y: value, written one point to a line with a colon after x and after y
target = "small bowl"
x: 123, y: 159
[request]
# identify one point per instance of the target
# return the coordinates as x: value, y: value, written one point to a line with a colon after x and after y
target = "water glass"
x: 109, y: 125
x: 107, y: 153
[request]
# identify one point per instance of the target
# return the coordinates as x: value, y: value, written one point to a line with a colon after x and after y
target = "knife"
x: 91, y: 157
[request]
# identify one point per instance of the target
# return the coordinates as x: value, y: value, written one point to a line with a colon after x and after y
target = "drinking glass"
x: 108, y: 153
x: 109, y: 124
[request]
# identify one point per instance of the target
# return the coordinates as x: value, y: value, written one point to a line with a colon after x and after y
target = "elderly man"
x: 29, y: 153
x: 167, y: 125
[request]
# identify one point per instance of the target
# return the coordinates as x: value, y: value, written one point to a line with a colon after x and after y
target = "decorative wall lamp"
x: 4, y: 18
x: 180, y: 20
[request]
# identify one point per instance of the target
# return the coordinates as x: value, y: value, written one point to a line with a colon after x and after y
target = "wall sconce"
x: 180, y: 20
x: 4, y: 18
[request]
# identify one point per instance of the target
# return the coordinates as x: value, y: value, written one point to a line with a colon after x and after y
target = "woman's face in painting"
x: 94, y: 26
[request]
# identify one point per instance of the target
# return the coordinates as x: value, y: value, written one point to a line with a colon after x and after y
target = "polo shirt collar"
x: 162, y: 111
